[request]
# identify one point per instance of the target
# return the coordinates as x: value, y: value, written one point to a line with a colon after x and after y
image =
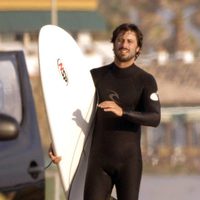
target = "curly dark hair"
x: 129, y: 27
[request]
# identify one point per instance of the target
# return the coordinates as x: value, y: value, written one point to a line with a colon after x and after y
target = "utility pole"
x: 54, y: 15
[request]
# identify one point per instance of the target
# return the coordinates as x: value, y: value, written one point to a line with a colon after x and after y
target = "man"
x: 127, y: 99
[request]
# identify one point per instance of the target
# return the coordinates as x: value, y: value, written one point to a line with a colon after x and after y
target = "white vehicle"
x: 21, y: 156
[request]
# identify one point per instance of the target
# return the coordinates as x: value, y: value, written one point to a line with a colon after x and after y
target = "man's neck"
x: 123, y: 64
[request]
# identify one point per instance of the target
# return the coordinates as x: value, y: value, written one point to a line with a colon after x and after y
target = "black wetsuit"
x: 115, y: 156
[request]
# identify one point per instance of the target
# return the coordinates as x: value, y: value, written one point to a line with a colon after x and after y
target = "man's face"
x: 125, y: 46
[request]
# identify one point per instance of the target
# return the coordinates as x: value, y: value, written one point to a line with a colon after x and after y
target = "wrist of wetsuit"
x: 128, y: 114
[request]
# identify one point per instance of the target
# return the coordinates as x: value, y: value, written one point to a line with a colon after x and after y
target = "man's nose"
x: 125, y: 44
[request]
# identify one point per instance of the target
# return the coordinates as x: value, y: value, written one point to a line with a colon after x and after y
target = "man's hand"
x: 55, y: 159
x: 111, y: 106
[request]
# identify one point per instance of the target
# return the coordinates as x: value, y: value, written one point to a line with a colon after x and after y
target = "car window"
x: 10, y: 99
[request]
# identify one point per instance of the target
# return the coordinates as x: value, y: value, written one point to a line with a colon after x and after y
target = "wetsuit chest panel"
x: 126, y: 91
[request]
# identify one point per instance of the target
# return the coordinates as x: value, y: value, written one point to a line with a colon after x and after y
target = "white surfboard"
x: 69, y: 98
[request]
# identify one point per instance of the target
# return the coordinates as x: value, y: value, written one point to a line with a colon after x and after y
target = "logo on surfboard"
x: 62, y: 70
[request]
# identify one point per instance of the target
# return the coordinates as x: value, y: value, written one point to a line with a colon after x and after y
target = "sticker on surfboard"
x: 61, y: 68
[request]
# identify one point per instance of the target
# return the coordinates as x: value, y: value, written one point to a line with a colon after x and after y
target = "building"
x: 21, y: 20
x: 28, y: 16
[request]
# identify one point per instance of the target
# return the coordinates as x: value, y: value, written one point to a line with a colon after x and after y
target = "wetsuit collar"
x: 123, y: 72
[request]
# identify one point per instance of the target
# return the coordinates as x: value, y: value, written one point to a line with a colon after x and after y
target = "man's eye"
x: 119, y: 41
x: 130, y: 41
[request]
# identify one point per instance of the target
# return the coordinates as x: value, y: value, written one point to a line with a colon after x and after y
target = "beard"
x: 124, y: 57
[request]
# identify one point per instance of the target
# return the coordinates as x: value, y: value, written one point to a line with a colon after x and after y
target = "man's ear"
x: 138, y: 49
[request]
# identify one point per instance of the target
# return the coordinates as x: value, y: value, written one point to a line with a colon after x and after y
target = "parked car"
x: 21, y: 154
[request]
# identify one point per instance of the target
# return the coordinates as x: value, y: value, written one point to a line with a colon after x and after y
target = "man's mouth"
x: 123, y: 50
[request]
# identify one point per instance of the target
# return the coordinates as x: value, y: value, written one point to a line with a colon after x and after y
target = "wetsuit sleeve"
x: 149, y: 114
